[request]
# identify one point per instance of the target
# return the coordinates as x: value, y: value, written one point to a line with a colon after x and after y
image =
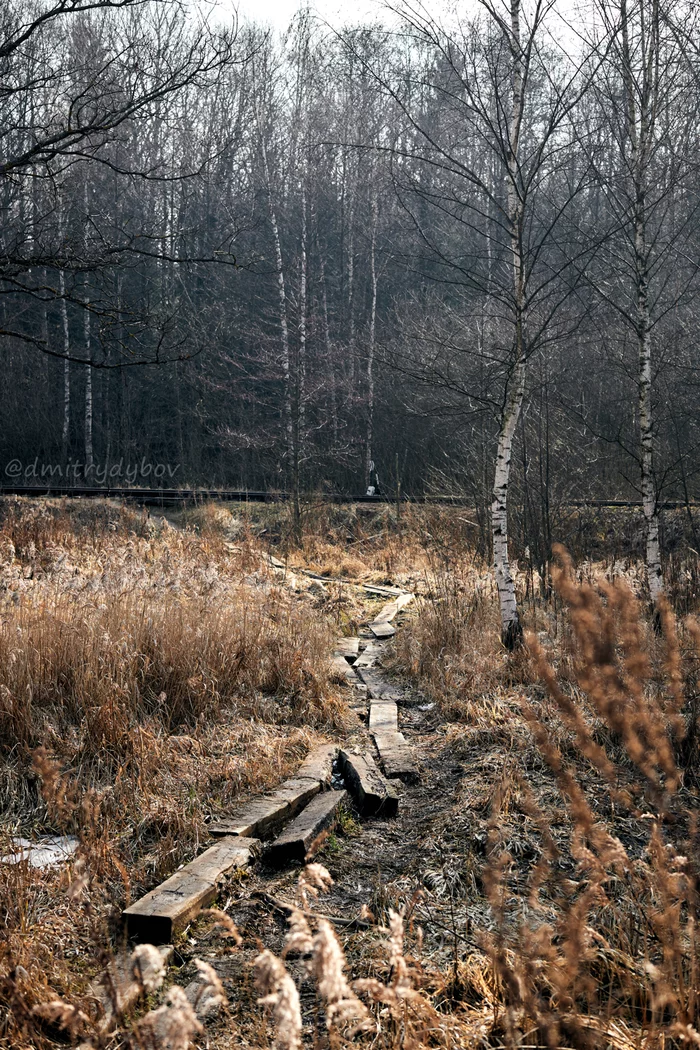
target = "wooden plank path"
x: 262, y: 816
x: 304, y: 802
x: 394, y: 750
x: 258, y: 818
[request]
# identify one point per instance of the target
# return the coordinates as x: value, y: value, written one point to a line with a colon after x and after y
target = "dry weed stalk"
x: 613, y: 954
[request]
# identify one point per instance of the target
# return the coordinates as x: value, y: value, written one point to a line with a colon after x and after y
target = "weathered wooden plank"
x: 342, y: 670
x: 262, y: 816
x: 168, y: 908
x: 373, y: 588
x: 308, y: 831
x: 370, y: 656
x: 395, y: 755
x: 389, y: 611
x: 318, y: 764
x: 379, y: 688
x: 348, y: 647
x: 382, y: 630
x: 383, y: 716
x: 373, y: 794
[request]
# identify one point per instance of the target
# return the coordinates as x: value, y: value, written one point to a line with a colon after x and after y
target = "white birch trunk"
x: 89, y: 453
x: 302, y: 315
x: 66, y: 363
x: 649, y: 502
x: 654, y: 571
x: 282, y: 301
x: 641, y: 108
x: 329, y: 356
x: 299, y: 415
x: 369, y: 437
x: 511, y: 628
x: 351, y: 281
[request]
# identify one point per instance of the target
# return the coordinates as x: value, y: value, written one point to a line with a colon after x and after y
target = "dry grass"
x: 564, y: 872
x: 571, y: 855
x: 156, y: 676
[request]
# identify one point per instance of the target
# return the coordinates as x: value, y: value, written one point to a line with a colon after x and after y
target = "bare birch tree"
x: 644, y: 101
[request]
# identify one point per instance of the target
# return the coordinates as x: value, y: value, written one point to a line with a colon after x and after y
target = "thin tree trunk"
x: 649, y: 501
x: 511, y: 628
x: 369, y: 437
x: 301, y: 371
x: 66, y: 363
x: 330, y: 362
x: 282, y: 306
x: 89, y: 454
x: 641, y: 109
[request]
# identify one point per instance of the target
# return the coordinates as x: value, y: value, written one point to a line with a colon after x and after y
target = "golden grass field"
x: 154, y: 671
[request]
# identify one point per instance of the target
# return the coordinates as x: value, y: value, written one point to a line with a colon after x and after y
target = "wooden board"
x: 379, y: 688
x: 383, y: 716
x: 168, y: 908
x: 370, y: 656
x: 306, y: 834
x: 342, y: 670
x: 386, y: 614
x: 389, y: 611
x: 262, y: 816
x: 348, y: 647
x: 373, y: 588
x: 318, y: 764
x: 395, y: 755
x: 374, y: 796
x: 382, y: 630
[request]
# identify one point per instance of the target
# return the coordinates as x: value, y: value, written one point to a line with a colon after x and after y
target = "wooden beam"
x: 307, y: 833
x: 370, y: 656
x: 382, y: 630
x: 342, y: 670
x: 373, y: 588
x: 167, y: 909
x: 395, y: 755
x: 374, y: 796
x: 379, y: 688
x: 318, y: 764
x: 262, y: 816
x: 383, y: 716
x: 390, y: 611
x: 348, y: 647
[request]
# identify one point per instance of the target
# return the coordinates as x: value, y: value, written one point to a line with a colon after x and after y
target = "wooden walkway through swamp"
x: 370, y: 807
x: 290, y: 824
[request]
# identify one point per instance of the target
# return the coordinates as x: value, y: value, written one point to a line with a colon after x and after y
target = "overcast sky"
x: 279, y: 13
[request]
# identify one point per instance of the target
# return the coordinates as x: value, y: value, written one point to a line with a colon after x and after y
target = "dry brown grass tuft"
x: 450, y: 646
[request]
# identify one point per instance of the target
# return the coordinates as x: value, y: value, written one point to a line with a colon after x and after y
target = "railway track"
x: 162, y: 497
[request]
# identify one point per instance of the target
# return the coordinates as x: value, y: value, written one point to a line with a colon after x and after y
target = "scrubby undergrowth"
x: 557, y: 887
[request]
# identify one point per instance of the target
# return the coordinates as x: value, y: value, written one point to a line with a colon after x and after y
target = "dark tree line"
x: 452, y: 256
